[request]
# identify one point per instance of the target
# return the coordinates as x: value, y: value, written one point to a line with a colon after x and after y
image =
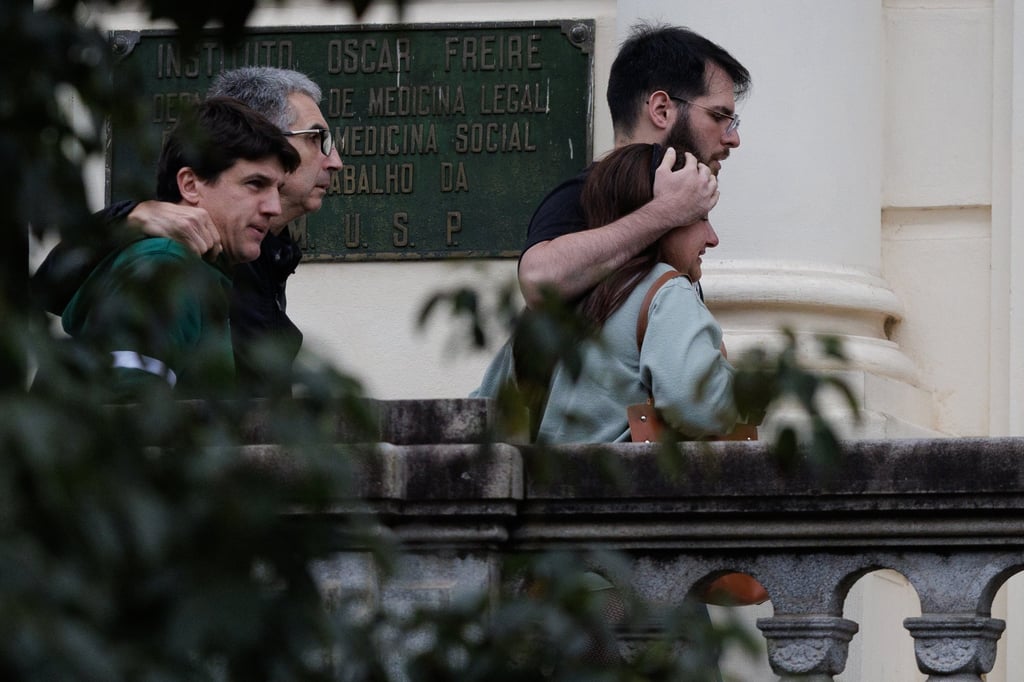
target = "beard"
x: 682, y: 138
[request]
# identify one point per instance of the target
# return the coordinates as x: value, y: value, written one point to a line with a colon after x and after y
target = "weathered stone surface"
x: 463, y: 420
x: 401, y: 422
x: 947, y: 514
x: 807, y: 645
x: 955, y: 644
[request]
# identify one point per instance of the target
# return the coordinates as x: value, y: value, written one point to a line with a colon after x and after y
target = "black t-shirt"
x: 561, y: 212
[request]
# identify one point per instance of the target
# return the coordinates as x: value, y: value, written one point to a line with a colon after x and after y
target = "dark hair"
x: 617, y: 185
x: 211, y: 136
x: 669, y: 58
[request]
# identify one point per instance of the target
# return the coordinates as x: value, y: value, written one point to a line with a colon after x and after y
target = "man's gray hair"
x: 265, y: 89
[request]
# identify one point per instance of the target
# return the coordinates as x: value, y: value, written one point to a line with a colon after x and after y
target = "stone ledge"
x: 402, y: 422
x: 949, y: 467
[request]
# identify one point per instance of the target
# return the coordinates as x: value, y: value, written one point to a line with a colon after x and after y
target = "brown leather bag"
x: 645, y: 425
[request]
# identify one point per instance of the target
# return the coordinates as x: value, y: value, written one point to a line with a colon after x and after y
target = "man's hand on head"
x: 686, y: 195
x: 190, y: 226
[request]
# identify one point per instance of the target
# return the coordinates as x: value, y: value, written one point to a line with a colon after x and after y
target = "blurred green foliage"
x: 146, y: 542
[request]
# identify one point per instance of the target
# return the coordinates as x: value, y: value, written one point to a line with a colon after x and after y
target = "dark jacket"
x: 258, y: 308
x: 257, y: 300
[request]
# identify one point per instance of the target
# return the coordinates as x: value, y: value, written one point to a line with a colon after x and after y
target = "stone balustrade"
x: 947, y: 514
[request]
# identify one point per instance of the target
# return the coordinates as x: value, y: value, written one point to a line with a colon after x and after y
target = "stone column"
x: 800, y: 213
x: 956, y: 637
x: 955, y: 647
x: 807, y: 647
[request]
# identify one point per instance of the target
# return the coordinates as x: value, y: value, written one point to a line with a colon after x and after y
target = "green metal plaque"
x: 450, y: 135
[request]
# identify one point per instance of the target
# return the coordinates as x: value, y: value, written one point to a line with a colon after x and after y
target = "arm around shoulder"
x: 190, y: 226
x: 572, y: 264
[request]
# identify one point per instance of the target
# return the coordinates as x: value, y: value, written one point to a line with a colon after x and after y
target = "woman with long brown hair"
x: 679, y: 362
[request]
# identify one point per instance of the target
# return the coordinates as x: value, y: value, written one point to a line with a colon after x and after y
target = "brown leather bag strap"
x: 641, y: 320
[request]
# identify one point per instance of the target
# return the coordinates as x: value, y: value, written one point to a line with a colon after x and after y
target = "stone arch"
x: 812, y: 583
x: 997, y: 584
x: 964, y: 583
x: 740, y: 663
x: 807, y: 635
x: 879, y: 600
x: 956, y: 635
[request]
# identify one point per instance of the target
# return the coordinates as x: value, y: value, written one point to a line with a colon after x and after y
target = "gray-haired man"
x: 290, y: 100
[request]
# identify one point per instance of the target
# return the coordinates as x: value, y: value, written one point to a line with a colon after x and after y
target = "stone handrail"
x: 948, y: 514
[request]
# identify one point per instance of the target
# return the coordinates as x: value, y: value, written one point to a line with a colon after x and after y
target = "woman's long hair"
x: 617, y: 185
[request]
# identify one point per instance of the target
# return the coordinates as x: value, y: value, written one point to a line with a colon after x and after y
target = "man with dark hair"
x: 290, y: 100
x: 669, y: 86
x: 159, y: 309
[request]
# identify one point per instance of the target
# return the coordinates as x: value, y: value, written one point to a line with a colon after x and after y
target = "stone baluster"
x: 955, y: 639
x: 955, y: 647
x: 807, y: 648
x: 807, y: 638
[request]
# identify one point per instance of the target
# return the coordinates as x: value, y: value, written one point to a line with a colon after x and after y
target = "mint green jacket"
x: 680, y: 365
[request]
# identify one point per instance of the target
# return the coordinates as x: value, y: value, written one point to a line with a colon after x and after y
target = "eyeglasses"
x: 734, y: 120
x: 326, y: 139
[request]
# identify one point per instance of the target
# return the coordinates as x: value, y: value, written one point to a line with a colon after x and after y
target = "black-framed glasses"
x: 734, y: 120
x: 326, y: 139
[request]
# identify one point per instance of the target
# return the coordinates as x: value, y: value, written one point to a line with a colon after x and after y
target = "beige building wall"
x: 877, y: 194
x: 937, y: 200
